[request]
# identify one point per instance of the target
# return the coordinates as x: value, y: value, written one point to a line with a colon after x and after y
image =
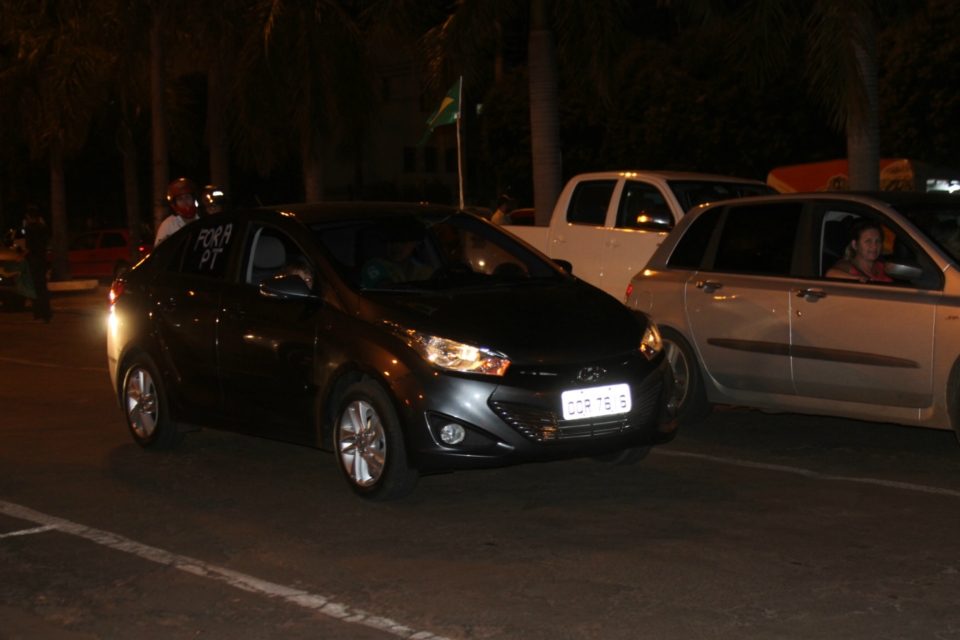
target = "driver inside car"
x: 399, y: 264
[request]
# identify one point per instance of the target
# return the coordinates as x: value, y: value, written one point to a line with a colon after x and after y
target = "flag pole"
x: 459, y: 151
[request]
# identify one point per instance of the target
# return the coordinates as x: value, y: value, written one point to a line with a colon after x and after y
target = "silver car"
x: 748, y: 314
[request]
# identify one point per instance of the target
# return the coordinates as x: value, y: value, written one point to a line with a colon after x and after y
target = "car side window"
x: 207, y: 248
x: 112, y: 240
x: 759, y: 239
x: 590, y: 201
x: 270, y: 252
x: 835, y: 239
x: 86, y: 242
x: 688, y: 254
x: 642, y: 206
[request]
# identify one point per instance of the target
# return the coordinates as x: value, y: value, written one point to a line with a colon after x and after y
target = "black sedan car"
x: 408, y: 339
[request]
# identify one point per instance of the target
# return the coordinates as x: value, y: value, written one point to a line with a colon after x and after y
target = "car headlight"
x: 651, y: 344
x: 452, y: 355
x: 457, y: 356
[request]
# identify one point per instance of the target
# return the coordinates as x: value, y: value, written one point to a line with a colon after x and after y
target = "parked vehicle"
x: 607, y: 225
x: 10, y: 297
x: 103, y: 253
x: 428, y: 340
x: 749, y: 316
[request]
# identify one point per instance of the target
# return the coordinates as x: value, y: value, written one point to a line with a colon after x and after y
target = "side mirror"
x: 903, y: 271
x: 287, y: 288
x: 564, y: 264
x: 654, y: 220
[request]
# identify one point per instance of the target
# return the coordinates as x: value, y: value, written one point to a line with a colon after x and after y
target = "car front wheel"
x: 369, y: 445
x: 689, y: 394
x: 11, y: 301
x: 145, y: 406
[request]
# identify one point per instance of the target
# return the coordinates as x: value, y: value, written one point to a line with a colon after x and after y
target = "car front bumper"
x: 518, y: 419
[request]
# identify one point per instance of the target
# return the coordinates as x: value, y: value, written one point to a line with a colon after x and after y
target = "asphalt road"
x: 747, y: 526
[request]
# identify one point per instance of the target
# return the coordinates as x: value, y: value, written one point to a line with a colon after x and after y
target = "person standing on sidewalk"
x: 36, y: 236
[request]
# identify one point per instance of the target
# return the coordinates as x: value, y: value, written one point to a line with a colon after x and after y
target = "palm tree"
x: 158, y: 114
x: 307, y: 83
x: 214, y: 33
x: 581, y: 38
x: 58, y: 78
x: 839, y: 38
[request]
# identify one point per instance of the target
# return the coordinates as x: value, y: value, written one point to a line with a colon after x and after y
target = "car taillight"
x: 143, y: 250
x: 626, y: 296
x: 116, y: 290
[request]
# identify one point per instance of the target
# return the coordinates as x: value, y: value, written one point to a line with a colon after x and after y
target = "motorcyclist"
x: 213, y: 199
x: 181, y: 194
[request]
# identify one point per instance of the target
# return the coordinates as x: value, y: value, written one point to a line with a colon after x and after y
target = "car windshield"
x: 939, y: 221
x: 692, y: 193
x: 434, y: 252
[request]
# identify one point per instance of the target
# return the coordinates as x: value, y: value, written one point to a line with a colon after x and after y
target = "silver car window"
x: 940, y: 223
x: 759, y: 239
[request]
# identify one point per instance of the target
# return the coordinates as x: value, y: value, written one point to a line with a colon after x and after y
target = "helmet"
x: 213, y: 199
x: 177, y: 188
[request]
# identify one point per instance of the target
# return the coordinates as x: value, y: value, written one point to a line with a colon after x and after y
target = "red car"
x: 102, y: 254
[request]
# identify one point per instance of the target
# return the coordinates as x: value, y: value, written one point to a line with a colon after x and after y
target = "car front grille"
x: 545, y: 426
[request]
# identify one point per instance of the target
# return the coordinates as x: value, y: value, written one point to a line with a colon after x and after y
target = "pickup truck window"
x: 688, y: 253
x: 642, y: 206
x: 759, y: 239
x: 590, y: 201
x: 112, y: 240
x: 86, y: 242
x: 693, y: 193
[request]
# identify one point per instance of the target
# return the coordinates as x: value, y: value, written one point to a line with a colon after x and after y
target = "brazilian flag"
x: 446, y: 113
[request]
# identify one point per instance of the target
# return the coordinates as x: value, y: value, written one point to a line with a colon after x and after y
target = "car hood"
x: 540, y: 323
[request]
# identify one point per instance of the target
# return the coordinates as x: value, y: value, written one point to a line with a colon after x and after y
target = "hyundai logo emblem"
x: 591, y: 374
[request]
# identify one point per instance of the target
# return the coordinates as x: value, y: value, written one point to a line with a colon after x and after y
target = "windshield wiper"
x: 396, y: 289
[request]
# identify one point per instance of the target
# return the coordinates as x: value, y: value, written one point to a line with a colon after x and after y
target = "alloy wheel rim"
x: 362, y: 443
x: 681, y: 371
x: 141, y: 403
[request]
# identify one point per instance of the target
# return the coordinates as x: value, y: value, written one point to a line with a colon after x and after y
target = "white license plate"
x: 596, y: 401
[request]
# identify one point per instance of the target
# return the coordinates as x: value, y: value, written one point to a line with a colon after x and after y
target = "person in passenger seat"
x: 300, y: 267
x: 861, y: 257
x: 399, y: 264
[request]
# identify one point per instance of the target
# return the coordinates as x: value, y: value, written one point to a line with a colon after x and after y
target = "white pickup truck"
x: 607, y: 225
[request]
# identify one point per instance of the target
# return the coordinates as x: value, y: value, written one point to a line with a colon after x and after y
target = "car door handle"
x: 811, y: 295
x: 709, y: 286
x: 612, y: 243
x: 559, y: 240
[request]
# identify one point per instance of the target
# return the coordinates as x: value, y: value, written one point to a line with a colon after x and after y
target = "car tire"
x: 145, y: 407
x: 120, y: 269
x: 369, y: 445
x: 12, y: 301
x: 624, y: 458
x: 953, y: 398
x: 689, y: 393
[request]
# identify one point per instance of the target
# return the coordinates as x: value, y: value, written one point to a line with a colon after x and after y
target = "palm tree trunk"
x: 863, y: 130
x: 158, y: 124
x: 216, y: 126
x: 312, y: 173
x: 131, y: 188
x: 60, y: 269
x: 544, y: 114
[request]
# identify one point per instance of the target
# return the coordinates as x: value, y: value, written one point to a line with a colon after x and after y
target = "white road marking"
x: 893, y: 484
x: 235, y: 579
x: 49, y: 365
x: 26, y: 532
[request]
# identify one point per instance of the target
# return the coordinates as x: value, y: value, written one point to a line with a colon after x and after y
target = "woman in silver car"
x: 861, y: 258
